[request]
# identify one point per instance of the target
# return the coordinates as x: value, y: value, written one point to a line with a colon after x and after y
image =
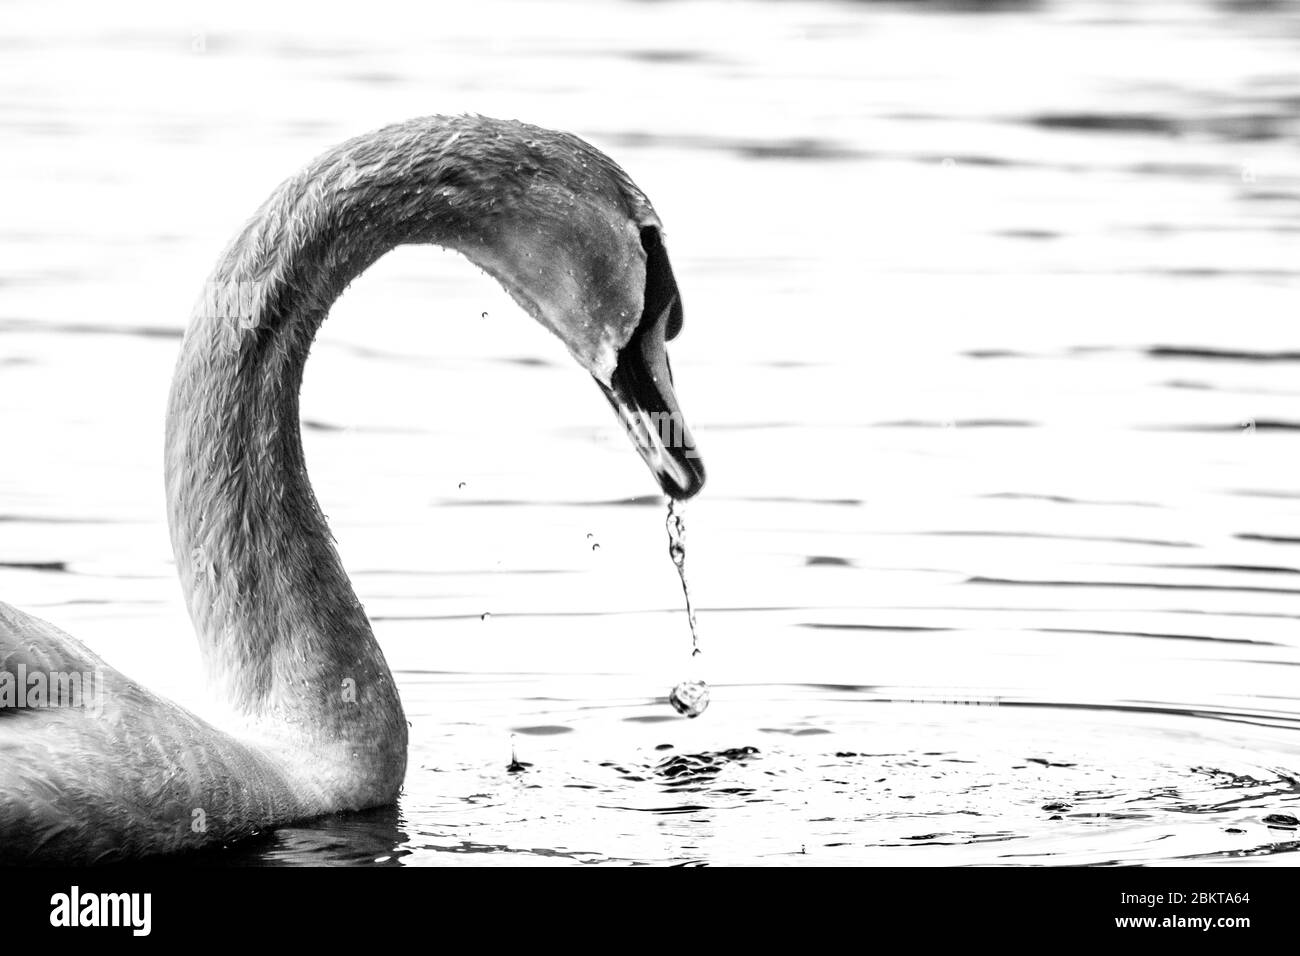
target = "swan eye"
x: 660, y: 286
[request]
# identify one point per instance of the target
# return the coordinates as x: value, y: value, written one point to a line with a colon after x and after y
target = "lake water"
x: 990, y: 350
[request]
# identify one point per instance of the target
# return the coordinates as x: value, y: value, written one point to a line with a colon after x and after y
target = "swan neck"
x: 284, y: 639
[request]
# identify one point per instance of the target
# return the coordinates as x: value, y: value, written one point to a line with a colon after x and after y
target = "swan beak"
x: 641, y: 391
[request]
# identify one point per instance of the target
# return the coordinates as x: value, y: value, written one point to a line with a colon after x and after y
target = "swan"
x: 315, y: 724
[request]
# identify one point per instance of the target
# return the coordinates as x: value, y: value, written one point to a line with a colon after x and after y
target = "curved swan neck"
x: 283, y: 636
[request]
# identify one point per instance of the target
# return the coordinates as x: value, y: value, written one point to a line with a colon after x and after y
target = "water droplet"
x: 461, y: 485
x: 690, y: 697
x: 590, y: 535
x: 486, y: 615
x: 595, y: 547
x: 677, y: 551
x: 483, y: 316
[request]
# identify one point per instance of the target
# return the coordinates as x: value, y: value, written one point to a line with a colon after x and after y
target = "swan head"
x: 640, y: 387
x: 582, y: 252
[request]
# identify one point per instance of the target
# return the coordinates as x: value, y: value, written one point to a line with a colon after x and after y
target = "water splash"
x: 689, y: 697
x: 516, y: 765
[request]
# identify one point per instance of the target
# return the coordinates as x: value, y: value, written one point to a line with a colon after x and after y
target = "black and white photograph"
x: 651, y: 433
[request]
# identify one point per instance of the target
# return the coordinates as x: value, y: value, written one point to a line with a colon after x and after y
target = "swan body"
x: 315, y: 721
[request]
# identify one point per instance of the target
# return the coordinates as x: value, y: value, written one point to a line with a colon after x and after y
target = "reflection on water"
x: 988, y: 339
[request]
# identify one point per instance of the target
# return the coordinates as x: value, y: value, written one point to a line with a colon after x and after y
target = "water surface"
x: 989, y: 350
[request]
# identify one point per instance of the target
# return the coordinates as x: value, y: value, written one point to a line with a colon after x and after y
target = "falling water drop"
x: 689, y: 697
x: 483, y: 316
x: 595, y: 547
x: 485, y: 616
x: 677, y: 551
x: 461, y: 485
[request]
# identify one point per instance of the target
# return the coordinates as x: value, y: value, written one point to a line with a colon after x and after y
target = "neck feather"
x: 284, y: 639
